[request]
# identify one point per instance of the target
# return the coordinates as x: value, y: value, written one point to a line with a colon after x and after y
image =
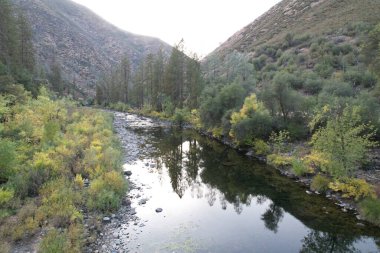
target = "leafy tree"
x: 252, y: 121
x: 344, y: 140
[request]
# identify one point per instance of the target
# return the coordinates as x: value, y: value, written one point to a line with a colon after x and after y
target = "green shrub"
x: 181, y: 116
x: 261, y: 147
x: 105, y: 192
x: 279, y: 141
x: 279, y: 160
x: 370, y: 210
x: 8, y: 159
x: 298, y: 167
x: 53, y: 242
x: 6, y: 195
x: 59, y: 203
x: 320, y: 183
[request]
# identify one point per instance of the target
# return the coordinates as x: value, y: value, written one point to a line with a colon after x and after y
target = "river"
x: 216, y: 200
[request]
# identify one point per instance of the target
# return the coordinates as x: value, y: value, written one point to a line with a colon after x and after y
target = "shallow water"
x: 216, y: 200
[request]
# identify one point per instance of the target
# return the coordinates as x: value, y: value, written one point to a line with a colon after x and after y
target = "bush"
x: 261, y: 147
x: 353, y: 188
x: 298, y: 167
x: 320, y: 183
x: 313, y: 86
x: 279, y: 141
x: 181, y: 116
x: 53, y: 242
x: 105, y: 192
x: 6, y: 195
x: 59, y: 203
x: 7, y: 159
x: 279, y: 160
x: 370, y: 210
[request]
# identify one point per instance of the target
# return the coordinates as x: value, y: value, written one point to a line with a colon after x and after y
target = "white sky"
x: 203, y: 24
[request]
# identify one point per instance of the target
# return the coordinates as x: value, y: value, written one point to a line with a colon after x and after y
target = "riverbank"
x: 371, y: 174
x: 181, y: 188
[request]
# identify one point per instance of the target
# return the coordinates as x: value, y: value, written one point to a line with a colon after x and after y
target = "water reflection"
x: 272, y: 217
x: 322, y: 242
x: 215, y: 173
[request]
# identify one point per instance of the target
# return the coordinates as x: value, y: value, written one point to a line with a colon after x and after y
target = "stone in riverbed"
x: 128, y: 173
x: 158, y: 210
x: 142, y: 202
x: 106, y: 220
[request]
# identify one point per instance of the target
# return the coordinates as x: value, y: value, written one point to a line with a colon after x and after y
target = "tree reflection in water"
x: 272, y: 217
x: 212, y: 171
x: 322, y: 242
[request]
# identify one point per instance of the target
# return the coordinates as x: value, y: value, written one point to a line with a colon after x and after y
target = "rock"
x: 250, y: 153
x: 142, y: 202
x: 128, y: 173
x: 113, y: 216
x: 133, y: 211
x: 309, y: 192
x: 360, y: 224
x: 106, y: 220
x: 158, y: 210
x: 127, y: 202
x: 359, y: 217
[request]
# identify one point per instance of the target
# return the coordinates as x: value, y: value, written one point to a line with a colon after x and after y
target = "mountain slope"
x: 81, y: 42
x: 300, y: 17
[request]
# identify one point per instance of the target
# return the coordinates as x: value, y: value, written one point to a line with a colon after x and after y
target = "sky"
x: 203, y: 24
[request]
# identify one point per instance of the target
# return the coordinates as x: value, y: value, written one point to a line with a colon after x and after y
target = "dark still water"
x: 215, y: 200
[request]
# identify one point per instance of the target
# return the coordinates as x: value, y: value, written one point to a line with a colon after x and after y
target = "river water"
x: 216, y: 200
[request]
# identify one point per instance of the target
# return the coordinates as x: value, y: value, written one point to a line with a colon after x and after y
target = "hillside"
x: 299, y: 17
x: 82, y: 43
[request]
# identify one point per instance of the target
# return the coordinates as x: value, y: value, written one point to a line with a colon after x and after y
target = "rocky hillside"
x: 82, y: 43
x: 297, y: 17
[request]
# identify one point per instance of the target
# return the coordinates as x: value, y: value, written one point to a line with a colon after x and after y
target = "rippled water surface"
x: 215, y: 200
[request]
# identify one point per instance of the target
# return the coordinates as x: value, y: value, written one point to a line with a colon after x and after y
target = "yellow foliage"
x: 78, y: 181
x: 251, y: 105
x: 217, y: 132
x: 5, y: 196
x: 353, y: 188
x: 279, y: 160
x: 316, y: 160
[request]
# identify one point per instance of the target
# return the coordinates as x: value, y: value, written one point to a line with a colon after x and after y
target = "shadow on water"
x: 193, y: 160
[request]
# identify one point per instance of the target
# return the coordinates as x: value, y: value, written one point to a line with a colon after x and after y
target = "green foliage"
x: 344, y: 140
x: 106, y: 191
x: 119, y: 106
x: 353, y: 188
x: 261, y: 147
x: 181, y: 116
x: 59, y: 203
x: 369, y: 208
x: 279, y: 160
x: 218, y: 100
x: 298, y: 167
x: 8, y: 159
x: 47, y: 148
x: 168, y: 107
x: 252, y: 121
x: 279, y: 141
x: 320, y: 183
x: 67, y: 241
x: 5, y: 196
